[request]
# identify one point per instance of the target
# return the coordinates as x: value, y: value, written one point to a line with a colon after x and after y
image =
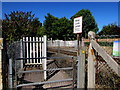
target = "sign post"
x: 78, y: 31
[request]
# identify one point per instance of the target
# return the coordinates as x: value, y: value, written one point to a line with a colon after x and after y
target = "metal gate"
x: 57, y: 77
x: 38, y: 70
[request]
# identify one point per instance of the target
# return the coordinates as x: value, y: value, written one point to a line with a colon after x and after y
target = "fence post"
x: 45, y: 55
x: 82, y: 66
x: 73, y: 73
x: 21, y: 53
x: 91, y: 63
x: 10, y: 74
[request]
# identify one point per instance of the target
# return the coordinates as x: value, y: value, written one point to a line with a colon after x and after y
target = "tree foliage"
x: 18, y: 24
x: 110, y: 29
x: 49, y: 20
x: 62, y: 29
x: 88, y: 22
x: 58, y: 28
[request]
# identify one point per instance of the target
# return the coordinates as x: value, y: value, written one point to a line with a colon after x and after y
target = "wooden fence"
x: 95, y: 47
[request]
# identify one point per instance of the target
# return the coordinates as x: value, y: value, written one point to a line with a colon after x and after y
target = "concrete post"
x: 91, y: 62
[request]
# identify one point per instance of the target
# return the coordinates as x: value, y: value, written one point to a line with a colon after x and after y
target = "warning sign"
x: 78, y: 25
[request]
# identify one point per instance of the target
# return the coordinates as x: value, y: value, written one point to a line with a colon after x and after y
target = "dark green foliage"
x: 110, y: 29
x: 62, y: 29
x: 49, y: 20
x: 58, y: 28
x: 18, y: 24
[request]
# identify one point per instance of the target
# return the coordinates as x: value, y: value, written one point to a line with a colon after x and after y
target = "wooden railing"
x: 94, y: 46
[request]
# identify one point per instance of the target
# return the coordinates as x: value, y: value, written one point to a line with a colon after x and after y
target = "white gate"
x: 34, y: 48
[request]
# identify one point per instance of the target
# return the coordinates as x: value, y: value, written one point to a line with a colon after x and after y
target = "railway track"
x: 63, y: 51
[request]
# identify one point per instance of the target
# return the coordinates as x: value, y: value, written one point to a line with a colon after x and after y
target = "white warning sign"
x: 78, y: 25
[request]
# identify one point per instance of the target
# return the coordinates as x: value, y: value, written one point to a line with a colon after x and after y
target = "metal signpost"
x: 78, y: 31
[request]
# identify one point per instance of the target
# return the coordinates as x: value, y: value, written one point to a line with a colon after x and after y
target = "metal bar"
x: 21, y: 53
x: 78, y: 58
x: 78, y: 72
x: 46, y: 82
x: 15, y: 74
x: 30, y: 71
x: 45, y: 57
x: 73, y: 73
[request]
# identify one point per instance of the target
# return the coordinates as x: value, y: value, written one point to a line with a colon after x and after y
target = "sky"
x: 104, y: 12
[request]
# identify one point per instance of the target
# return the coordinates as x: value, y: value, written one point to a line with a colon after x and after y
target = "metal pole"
x: 15, y: 74
x: 21, y: 53
x: 73, y: 73
x: 78, y: 44
x: 78, y: 59
x: 10, y: 74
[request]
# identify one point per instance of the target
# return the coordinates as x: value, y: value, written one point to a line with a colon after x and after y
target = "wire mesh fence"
x: 105, y: 76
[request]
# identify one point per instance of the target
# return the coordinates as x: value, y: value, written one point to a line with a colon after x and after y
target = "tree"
x: 49, y: 20
x: 62, y: 29
x: 40, y: 31
x: 110, y: 29
x: 58, y: 28
x: 18, y: 24
x: 88, y: 24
